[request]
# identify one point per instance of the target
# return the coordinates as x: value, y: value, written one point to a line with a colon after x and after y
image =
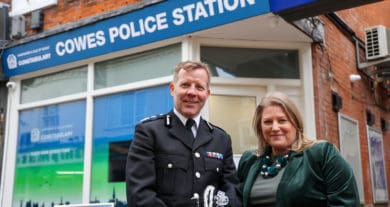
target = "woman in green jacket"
x: 289, y: 169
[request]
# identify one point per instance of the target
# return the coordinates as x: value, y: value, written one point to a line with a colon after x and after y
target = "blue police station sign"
x: 280, y: 5
x: 291, y: 10
x: 157, y: 22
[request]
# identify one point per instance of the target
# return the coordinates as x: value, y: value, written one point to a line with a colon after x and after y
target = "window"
x: 147, y: 65
x: 238, y: 122
x: 113, y: 131
x: 251, y: 63
x: 50, y: 155
x: 241, y: 76
x: 54, y: 85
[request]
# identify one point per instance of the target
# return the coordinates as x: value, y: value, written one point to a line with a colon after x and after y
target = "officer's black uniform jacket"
x: 166, y: 166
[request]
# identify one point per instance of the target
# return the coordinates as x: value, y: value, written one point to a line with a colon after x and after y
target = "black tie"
x: 189, y: 123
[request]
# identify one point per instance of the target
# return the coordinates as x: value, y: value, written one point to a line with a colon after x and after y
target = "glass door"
x: 232, y: 109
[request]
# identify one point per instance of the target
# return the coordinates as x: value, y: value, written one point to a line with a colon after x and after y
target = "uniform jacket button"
x: 197, y: 175
x: 170, y: 165
x: 197, y: 155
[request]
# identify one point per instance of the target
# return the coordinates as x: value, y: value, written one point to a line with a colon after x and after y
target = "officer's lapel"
x: 179, y: 132
x: 203, y: 135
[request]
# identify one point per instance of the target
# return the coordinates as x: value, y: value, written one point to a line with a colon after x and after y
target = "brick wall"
x: 72, y: 10
x: 67, y: 11
x: 333, y: 62
x: 6, y: 1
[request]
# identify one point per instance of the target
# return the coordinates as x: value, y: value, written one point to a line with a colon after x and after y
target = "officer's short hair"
x: 191, y: 65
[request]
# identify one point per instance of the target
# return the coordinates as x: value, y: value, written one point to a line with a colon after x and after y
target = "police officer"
x: 171, y: 164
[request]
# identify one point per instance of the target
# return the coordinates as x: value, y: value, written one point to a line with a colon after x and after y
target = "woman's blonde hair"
x: 292, y: 113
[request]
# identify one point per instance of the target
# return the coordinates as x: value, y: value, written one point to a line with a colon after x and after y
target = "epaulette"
x: 211, y: 127
x: 152, y: 118
x: 167, y: 117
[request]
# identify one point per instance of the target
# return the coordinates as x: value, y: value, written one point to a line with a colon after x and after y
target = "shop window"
x: 115, y: 117
x: 117, y: 160
x: 54, y: 85
x: 240, y: 125
x: 50, y: 153
x: 147, y: 65
x: 251, y: 62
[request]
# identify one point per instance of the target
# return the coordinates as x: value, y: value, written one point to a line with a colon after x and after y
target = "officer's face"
x: 278, y: 131
x: 190, y: 91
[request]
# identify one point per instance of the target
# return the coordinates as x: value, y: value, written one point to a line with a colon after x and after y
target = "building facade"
x: 78, y: 76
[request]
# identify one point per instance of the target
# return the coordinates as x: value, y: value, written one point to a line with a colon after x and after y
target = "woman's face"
x: 277, y: 129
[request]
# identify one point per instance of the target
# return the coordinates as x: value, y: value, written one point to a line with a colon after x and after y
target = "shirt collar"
x: 183, y: 119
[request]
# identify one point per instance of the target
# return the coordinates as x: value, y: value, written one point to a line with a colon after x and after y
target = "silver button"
x: 197, y: 155
x: 195, y: 196
x: 197, y: 175
x: 217, y: 169
x: 170, y: 165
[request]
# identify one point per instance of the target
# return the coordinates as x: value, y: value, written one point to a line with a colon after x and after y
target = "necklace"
x: 271, y: 167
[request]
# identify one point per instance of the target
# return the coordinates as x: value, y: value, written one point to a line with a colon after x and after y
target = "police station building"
x: 77, y: 92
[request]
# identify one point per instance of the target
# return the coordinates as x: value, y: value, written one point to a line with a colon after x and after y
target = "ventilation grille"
x: 377, y: 40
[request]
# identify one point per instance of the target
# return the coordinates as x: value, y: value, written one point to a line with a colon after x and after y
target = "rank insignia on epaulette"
x: 168, y: 120
x: 151, y: 118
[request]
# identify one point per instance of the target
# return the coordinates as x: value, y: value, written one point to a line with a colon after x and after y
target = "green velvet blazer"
x: 317, y: 177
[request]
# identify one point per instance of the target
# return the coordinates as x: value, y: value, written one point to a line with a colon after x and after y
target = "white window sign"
x: 25, y: 6
x: 350, y: 148
x: 377, y: 165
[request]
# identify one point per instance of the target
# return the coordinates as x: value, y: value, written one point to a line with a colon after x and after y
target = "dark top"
x: 166, y: 166
x: 263, y: 193
x: 318, y: 176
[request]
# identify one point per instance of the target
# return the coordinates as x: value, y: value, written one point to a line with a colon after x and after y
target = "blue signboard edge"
x: 280, y: 5
x: 9, y: 72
